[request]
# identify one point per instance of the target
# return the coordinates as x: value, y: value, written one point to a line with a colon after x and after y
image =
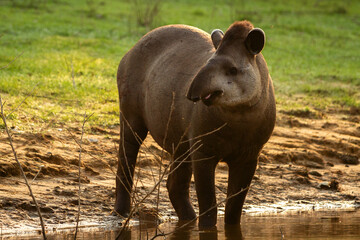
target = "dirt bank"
x: 311, y: 160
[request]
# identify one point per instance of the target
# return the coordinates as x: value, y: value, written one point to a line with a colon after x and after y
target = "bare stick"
x: 79, y: 177
x: 41, y: 166
x: 172, y: 107
x: 138, y: 139
x: 21, y: 169
x: 206, y: 134
x: 142, y: 200
x: 32, y: 90
x: 72, y: 71
x: 93, y: 156
x: 126, y: 161
x: 12, y: 61
x: 73, y: 74
x: 282, y: 234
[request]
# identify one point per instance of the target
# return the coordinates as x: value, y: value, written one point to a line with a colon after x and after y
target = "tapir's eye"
x: 233, y: 71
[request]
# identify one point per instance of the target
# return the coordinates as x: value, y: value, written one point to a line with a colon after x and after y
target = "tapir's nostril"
x: 194, y: 99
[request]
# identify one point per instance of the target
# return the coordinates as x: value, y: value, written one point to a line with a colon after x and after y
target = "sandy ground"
x: 311, y: 161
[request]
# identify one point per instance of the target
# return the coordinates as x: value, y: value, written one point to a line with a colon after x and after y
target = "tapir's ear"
x: 216, y: 37
x: 255, y: 41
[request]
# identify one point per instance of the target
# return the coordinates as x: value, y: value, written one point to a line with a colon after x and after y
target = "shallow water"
x: 299, y: 225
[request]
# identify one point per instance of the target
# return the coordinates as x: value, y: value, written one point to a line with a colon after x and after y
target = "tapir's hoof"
x: 117, y: 213
x: 207, y: 223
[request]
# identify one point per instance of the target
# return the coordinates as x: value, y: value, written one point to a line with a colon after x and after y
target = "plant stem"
x: 21, y: 169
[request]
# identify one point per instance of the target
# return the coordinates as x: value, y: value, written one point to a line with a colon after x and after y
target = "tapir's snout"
x: 191, y: 95
x: 208, y: 96
x: 199, y: 85
x: 204, y: 87
x: 194, y: 99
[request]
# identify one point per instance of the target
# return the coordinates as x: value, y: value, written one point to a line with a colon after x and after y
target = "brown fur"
x: 156, y: 75
x: 237, y: 33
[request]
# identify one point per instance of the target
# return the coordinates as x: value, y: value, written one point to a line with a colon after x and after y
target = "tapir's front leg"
x: 241, y: 172
x: 204, y: 174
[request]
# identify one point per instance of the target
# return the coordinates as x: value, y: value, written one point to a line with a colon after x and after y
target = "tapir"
x: 204, y: 98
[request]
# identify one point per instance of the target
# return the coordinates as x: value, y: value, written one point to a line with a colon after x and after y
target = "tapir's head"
x: 232, y: 76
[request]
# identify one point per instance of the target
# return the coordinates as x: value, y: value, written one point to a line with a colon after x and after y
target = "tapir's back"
x: 164, y: 49
x: 160, y: 65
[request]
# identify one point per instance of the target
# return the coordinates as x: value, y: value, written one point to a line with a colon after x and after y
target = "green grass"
x: 71, y: 50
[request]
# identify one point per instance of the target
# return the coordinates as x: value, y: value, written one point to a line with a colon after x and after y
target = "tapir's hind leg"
x: 132, y: 133
x: 178, y: 184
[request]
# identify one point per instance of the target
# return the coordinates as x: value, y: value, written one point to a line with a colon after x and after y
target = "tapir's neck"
x: 239, y: 117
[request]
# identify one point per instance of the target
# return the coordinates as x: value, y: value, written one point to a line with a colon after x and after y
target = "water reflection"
x: 301, y: 225
x: 186, y: 231
x: 233, y: 232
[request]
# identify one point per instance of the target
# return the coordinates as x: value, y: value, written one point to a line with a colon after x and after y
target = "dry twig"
x: 12, y: 61
x: 27, y: 96
x: 282, y: 234
x: 79, y: 176
x: 3, y: 117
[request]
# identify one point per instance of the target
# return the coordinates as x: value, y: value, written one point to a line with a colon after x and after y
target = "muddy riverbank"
x: 311, y: 162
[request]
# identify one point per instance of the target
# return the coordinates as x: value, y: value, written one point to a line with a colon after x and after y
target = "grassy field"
x: 69, y: 51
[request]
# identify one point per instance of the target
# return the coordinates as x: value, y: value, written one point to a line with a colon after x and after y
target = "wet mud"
x: 311, y: 162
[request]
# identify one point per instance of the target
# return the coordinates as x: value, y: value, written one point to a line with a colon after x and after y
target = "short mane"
x: 238, y: 31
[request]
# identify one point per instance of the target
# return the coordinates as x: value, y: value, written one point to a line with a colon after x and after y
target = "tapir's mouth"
x: 210, y: 97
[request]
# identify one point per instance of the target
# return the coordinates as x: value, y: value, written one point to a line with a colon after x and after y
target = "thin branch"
x: 172, y: 108
x: 28, y: 95
x: 282, y: 234
x: 142, y: 200
x: 138, y: 139
x: 205, y: 134
x: 181, y: 139
x: 126, y: 161
x: 79, y: 177
x: 12, y: 61
x: 73, y: 75
x: 41, y: 166
x: 93, y: 156
x: 21, y: 169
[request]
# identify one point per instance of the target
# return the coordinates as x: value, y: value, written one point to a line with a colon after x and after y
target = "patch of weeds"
x: 146, y: 12
x: 335, y: 7
x: 347, y: 101
x: 304, y: 113
x: 337, y: 78
x: 36, y: 4
x: 92, y: 9
x: 198, y: 12
x: 311, y: 89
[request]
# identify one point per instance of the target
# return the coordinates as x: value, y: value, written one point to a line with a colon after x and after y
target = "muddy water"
x: 299, y: 225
